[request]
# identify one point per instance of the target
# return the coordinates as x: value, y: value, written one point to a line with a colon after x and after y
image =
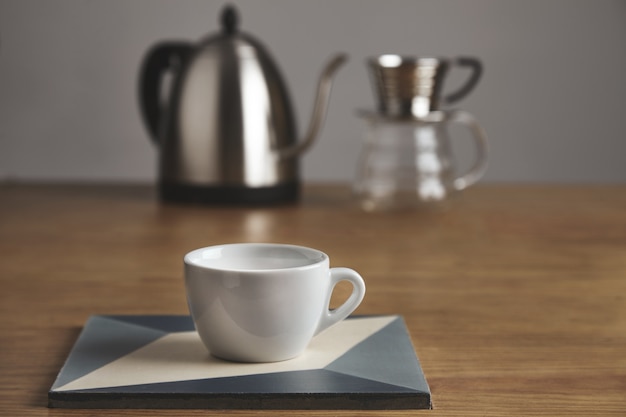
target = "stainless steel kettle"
x: 226, y: 131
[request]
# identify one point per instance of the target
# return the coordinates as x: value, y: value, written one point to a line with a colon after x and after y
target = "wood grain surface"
x: 515, y: 296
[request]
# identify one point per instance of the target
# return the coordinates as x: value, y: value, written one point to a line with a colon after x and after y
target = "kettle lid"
x: 231, y: 38
x: 229, y: 20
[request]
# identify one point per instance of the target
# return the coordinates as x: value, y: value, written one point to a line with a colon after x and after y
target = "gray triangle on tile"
x: 390, y: 356
x: 166, y: 323
x: 293, y: 382
x: 102, y: 341
x: 298, y: 390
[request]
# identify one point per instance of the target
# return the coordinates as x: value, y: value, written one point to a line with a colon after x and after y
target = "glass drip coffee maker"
x: 407, y: 161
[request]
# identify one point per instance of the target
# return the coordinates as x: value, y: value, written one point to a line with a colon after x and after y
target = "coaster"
x: 364, y: 362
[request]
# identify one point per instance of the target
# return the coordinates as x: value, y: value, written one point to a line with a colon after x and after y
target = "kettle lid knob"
x: 229, y: 20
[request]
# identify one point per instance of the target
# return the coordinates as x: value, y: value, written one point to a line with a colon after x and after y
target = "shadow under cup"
x: 255, y: 302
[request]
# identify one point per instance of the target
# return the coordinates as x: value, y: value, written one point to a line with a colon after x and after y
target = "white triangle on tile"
x: 182, y: 357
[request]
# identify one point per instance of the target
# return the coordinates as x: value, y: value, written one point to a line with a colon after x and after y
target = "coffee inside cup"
x: 257, y: 257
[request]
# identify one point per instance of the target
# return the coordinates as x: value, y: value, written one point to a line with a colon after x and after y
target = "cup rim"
x: 314, y: 264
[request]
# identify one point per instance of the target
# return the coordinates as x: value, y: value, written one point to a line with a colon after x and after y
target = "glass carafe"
x: 406, y: 160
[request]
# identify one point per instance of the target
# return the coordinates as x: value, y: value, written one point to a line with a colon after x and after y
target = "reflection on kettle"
x: 227, y: 132
x: 407, y: 160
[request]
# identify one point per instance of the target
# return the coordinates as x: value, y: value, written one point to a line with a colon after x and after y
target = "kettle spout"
x: 319, y: 108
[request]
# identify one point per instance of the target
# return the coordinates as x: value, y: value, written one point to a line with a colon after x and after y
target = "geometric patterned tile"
x: 159, y: 362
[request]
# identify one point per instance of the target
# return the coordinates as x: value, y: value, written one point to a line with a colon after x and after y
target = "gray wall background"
x: 552, y: 100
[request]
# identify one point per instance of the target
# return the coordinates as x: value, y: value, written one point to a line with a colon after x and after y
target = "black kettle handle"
x: 159, y: 59
x: 477, y: 71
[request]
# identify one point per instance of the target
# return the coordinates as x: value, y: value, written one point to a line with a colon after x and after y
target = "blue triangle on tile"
x: 311, y: 382
x: 169, y: 324
x: 390, y: 358
x: 102, y: 341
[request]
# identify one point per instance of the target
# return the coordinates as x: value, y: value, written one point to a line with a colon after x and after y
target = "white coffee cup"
x: 264, y: 302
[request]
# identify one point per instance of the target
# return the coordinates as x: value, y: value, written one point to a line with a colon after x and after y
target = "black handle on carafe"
x: 477, y: 71
x: 158, y: 60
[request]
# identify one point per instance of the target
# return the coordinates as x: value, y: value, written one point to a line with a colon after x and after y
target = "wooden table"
x: 515, y: 297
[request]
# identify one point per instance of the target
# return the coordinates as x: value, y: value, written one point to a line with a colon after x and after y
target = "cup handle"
x: 331, y: 317
x: 476, y: 68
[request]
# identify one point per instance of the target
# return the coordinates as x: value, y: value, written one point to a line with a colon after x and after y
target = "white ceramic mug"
x: 264, y: 302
